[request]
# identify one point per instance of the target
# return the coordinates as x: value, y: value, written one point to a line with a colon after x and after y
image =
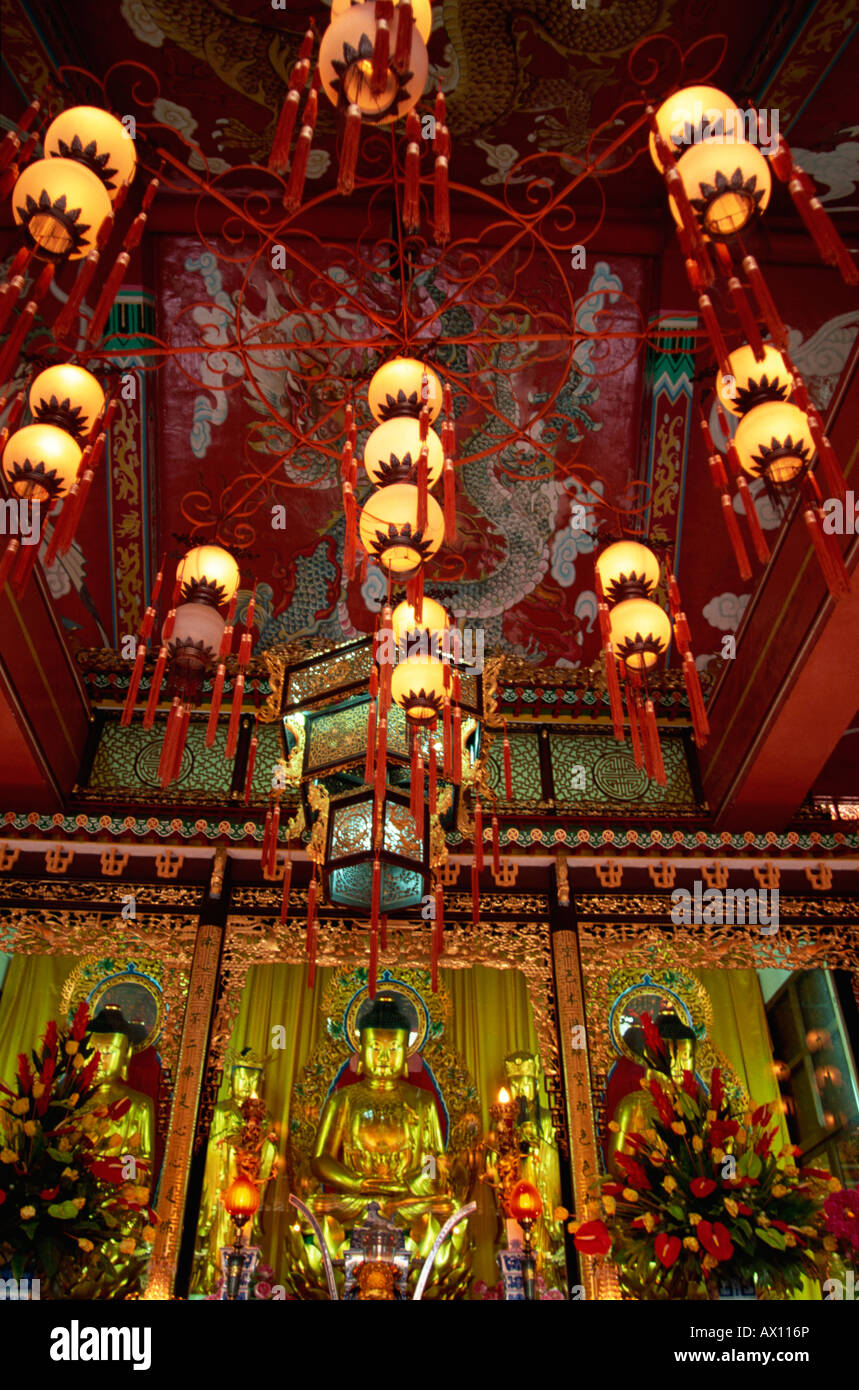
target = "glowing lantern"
x: 525, y: 1203
x: 640, y: 632
x: 194, y: 643
x: 753, y: 382
x: 417, y: 686
x: 421, y: 8
x: 774, y: 441
x: 96, y: 140
x: 434, y: 619
x: 726, y: 182
x: 67, y: 396
x: 209, y: 574
x: 691, y: 115
x: 346, y: 68
x: 627, y: 569
x: 41, y: 462
x: 390, y: 532
x: 61, y: 205
x: 395, y: 389
x: 241, y: 1200
x: 391, y: 453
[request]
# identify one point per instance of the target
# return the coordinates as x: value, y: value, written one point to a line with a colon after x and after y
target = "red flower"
x: 690, y: 1085
x: 80, y: 1020
x: 762, y: 1147
x: 720, y: 1130
x: 651, y: 1037
x: 25, y: 1076
x: 717, y: 1094
x: 593, y: 1238
x: 49, y: 1066
x: 715, y: 1239
x: 667, y: 1249
x: 663, y: 1104
x: 49, y: 1193
x: 815, y: 1173
x: 50, y: 1040
x: 638, y: 1223
x: 743, y: 1209
x: 635, y: 1174
x: 89, y: 1071
x: 702, y: 1187
x: 761, y: 1115
x: 613, y: 1189
x: 107, y: 1169
x: 118, y: 1108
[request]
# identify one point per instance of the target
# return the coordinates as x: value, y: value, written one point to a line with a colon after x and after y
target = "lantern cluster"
x: 719, y: 182
x: 66, y: 204
x: 51, y: 462
x: 196, y: 639
x: 636, y: 633
x: 372, y: 65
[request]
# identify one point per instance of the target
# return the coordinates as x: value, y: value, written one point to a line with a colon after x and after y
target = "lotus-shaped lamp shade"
x: 392, y: 450
x: 41, y: 462
x: 640, y: 632
x: 774, y: 441
x: 241, y: 1200
x: 346, y: 66
x: 395, y: 389
x: 389, y: 529
x: 627, y: 569
x: 95, y: 139
x: 67, y: 396
x: 417, y: 686
x: 751, y: 382
x: 208, y: 574
x: 695, y: 115
x: 61, y: 205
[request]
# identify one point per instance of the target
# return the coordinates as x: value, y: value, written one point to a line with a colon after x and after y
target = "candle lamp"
x: 241, y: 1200
x: 505, y: 1118
x: 526, y: 1207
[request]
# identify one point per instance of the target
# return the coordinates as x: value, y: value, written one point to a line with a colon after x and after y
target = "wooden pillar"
x: 570, y: 994
x: 189, y: 1080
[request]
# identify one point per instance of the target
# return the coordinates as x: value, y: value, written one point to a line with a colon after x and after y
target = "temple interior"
x: 429, y: 651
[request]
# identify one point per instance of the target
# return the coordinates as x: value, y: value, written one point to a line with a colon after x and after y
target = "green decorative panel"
x: 594, y: 773
x: 269, y: 749
x: 524, y: 765
x: 127, y: 758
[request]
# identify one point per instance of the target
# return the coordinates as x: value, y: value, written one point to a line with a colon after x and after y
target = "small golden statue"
x: 109, y: 1035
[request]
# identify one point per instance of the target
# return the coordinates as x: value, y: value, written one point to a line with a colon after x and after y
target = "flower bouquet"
x: 68, y: 1216
x: 704, y: 1197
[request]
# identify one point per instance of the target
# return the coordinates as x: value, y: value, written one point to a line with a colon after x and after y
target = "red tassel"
x: 827, y: 458
x: 235, y: 716
x: 449, y: 485
x: 441, y: 190
x: 438, y: 925
x: 456, y: 749
x: 475, y: 893
x: 419, y: 797
x: 413, y: 774
x: 759, y: 540
x: 508, y: 767
x: 249, y: 775
x: 447, y: 741
x: 27, y: 556
x: 279, y: 157
x: 733, y: 528
x: 16, y: 338
x: 8, y: 560
x: 652, y: 734
x: 700, y: 723
x: 287, y: 882
x: 81, y: 491
x: 269, y: 856
x: 9, y: 147
x: 155, y: 688
x: 169, y: 739
x: 349, y: 150
x: 833, y: 569
x: 179, y: 745
x: 374, y: 927
x: 634, y: 736
x: 382, y: 46
x: 412, y: 184
x: 311, y: 913
x: 478, y: 835
x: 714, y: 332
x: 496, y: 848
x: 423, y: 491
x: 432, y: 775
x: 298, y: 172
x: 9, y: 297
x: 766, y: 303
x: 405, y: 27
x: 107, y: 296
x: 369, y: 762
x: 381, y: 761
x: 134, y: 684
x: 433, y: 963
x: 748, y: 322
x: 214, y: 712
x: 718, y: 476
x: 615, y: 700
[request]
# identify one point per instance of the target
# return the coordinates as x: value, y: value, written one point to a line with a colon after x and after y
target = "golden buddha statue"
x: 380, y: 1138
x: 636, y: 1111
x: 109, y: 1036
x: 538, y: 1162
x: 231, y: 1121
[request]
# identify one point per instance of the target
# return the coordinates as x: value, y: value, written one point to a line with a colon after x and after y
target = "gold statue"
x: 109, y: 1036
x: 381, y: 1137
x: 636, y: 1111
x: 237, y: 1126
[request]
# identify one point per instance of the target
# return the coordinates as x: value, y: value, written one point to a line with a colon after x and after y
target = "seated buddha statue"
x: 375, y: 1137
x: 636, y: 1111
x: 109, y: 1036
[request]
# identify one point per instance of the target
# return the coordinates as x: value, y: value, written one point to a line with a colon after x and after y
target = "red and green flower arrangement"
x: 68, y: 1215
x: 706, y: 1198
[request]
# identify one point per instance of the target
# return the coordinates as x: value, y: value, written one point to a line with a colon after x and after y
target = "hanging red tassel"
x: 412, y: 182
x: 475, y: 893
x: 179, y: 745
x: 413, y: 774
x: 405, y: 28
x: 449, y: 486
x: 441, y: 188
x: 384, y: 13
x: 348, y: 163
x: 759, y: 540
x: 447, y: 741
x: 235, y: 716
x: 311, y: 936
x: 374, y: 925
x: 432, y: 776
x: 615, y: 700
x: 456, y: 746
x: 508, y: 767
x: 381, y: 761
x: 700, y: 723
x: 478, y: 835
x: 287, y: 883
x: 438, y: 925
x: 423, y: 490
x: 827, y: 458
x: 298, y: 172
x: 714, y: 333
x: 765, y: 302
x: 748, y: 322
x: 169, y: 737
x: 8, y: 560
x: 828, y: 556
x: 496, y: 847
x: 134, y: 684
x: 433, y: 963
x: 652, y: 736
x: 252, y: 757
x: 733, y: 528
x: 634, y: 737
x: 279, y: 157
x: 269, y: 839
x: 369, y: 762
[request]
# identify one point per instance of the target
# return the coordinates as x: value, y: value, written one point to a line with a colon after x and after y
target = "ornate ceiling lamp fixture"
x: 53, y: 460
x: 66, y: 204
x: 195, y: 636
x: 636, y: 633
x: 718, y: 183
x: 372, y: 66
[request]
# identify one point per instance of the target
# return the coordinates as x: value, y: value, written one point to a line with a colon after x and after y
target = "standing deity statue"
x: 636, y: 1111
x: 539, y: 1161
